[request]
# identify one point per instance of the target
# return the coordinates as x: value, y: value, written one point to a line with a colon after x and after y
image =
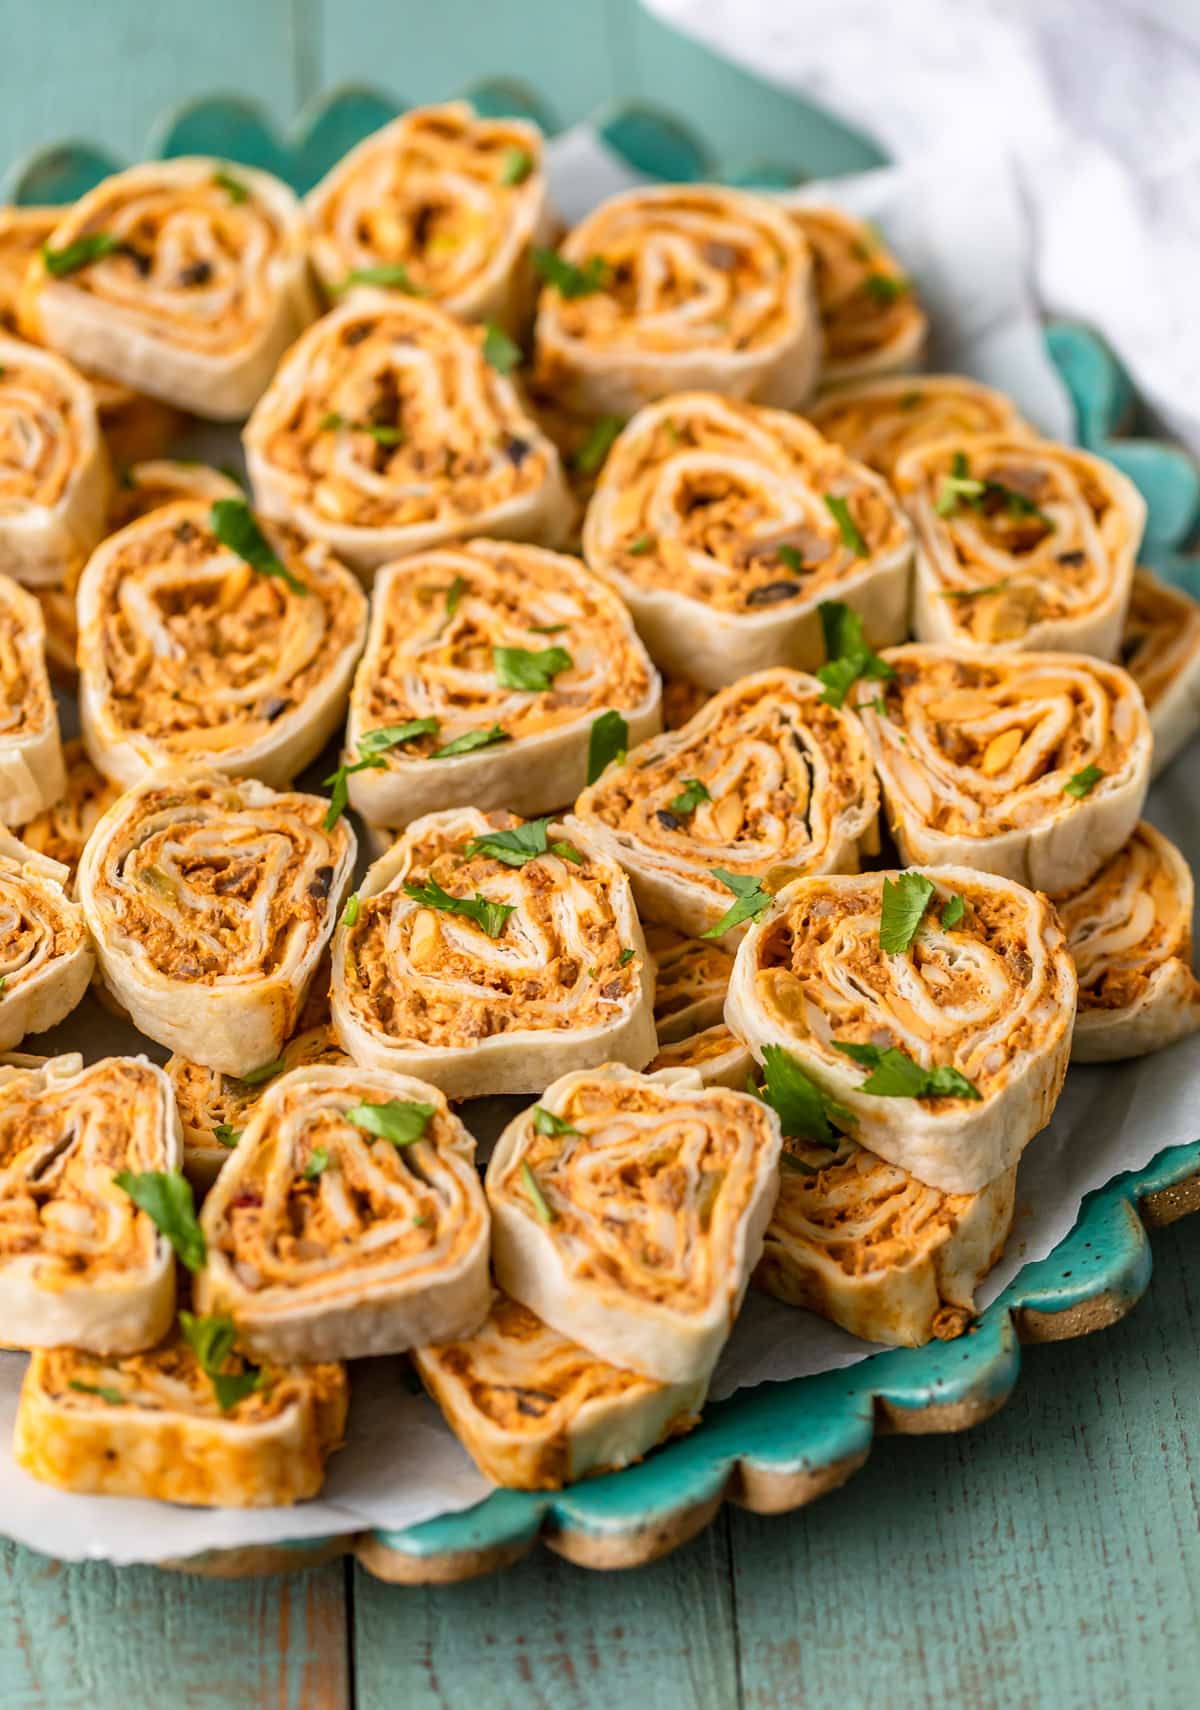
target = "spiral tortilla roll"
x: 1020, y: 543
x: 1032, y: 766
x: 563, y: 982
x: 991, y: 997
x: 189, y: 653
x: 454, y: 200
x: 535, y: 1410
x: 61, y: 831
x: 716, y: 1054
x: 156, y: 481
x: 786, y: 786
x: 645, y: 1216
x: 437, y: 622
x: 325, y: 1240
x: 200, y: 284
x: 1129, y: 930
x: 878, y: 421
x: 871, y: 321
x: 1160, y: 648
x: 80, y: 1264
x: 210, y: 903
x: 723, y: 527
x: 150, y: 1426
x: 691, y: 977
x: 54, y: 471
x: 870, y: 1247
x: 214, y: 1109
x: 32, y: 773
x: 692, y: 286
x: 386, y: 432
x: 46, y: 957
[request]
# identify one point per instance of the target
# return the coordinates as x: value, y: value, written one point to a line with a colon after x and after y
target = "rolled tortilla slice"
x: 182, y: 278
x: 1020, y: 543
x: 150, y: 1426
x: 386, y: 432
x: 32, y: 773
x: 210, y: 903
x: 716, y: 1054
x: 633, y: 1225
x: 870, y: 1247
x: 514, y: 652
x: 447, y: 203
x: 544, y: 970
x: 535, y: 1410
x: 871, y: 321
x: 156, y: 481
x: 61, y: 831
x: 723, y: 527
x: 877, y: 421
x: 1129, y: 930
x: 46, y: 957
x: 984, y: 1004
x: 1160, y: 648
x: 767, y: 781
x: 54, y: 471
x: 691, y: 977
x: 80, y: 1264
x: 1033, y: 766
x: 674, y: 288
x: 187, y: 652
x: 214, y: 1109
x: 328, y: 1234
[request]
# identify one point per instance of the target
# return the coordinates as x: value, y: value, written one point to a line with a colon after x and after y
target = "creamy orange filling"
x: 1161, y: 638
x: 422, y: 974
x: 195, y: 264
x: 697, y: 1051
x: 202, y: 652
x: 878, y: 423
x: 689, y: 972
x: 23, y: 231
x: 400, y: 421
x: 437, y: 194
x: 24, y: 691
x: 145, y: 487
x: 648, y: 1196
x: 728, y: 504
x: 40, y: 438
x: 435, y: 653
x: 207, y: 1099
x: 864, y: 299
x: 700, y: 267
x: 60, y: 1147
x: 62, y: 831
x: 1125, y: 924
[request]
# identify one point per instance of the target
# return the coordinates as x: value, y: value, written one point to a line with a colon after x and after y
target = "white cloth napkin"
x: 1093, y: 106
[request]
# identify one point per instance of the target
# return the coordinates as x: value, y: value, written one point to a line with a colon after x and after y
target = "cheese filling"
x: 878, y: 421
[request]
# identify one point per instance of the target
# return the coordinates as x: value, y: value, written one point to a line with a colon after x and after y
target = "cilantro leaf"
x: 212, y: 1341
x: 904, y: 903
x: 318, y: 1163
x: 522, y: 668
x: 609, y: 741
x: 491, y: 917
x: 454, y: 594
x: 690, y: 797
x: 1081, y: 784
x: 399, y: 1120
x: 234, y: 524
x: 350, y: 912
x: 956, y: 487
x: 789, y: 556
x: 597, y: 445
x: 81, y: 253
x: 804, y: 1110
x: 233, y: 187
x: 545, y: 1122
x: 848, y: 656
x: 895, y: 1075
x: 751, y: 901
x: 391, y: 275
x: 885, y: 288
x: 568, y: 280
x: 953, y: 912
x: 395, y: 735
x: 626, y: 956
x: 499, y: 351
x: 266, y: 1072
x: 105, y: 1391
x: 469, y: 741
x: 227, y: 1134
x: 523, y: 843
x: 848, y: 529
x: 641, y: 546
x: 541, y: 1205
x: 166, y: 1198
x: 516, y: 166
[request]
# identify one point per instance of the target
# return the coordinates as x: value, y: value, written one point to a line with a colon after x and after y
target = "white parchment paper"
x: 400, y: 1464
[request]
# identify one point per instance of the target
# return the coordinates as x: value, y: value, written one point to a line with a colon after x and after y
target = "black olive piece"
x: 772, y: 592
x: 322, y: 880
x: 276, y: 705
x: 1071, y: 557
x: 355, y: 335
x: 516, y: 450
x: 667, y: 819
x: 140, y: 260
x: 198, y: 273
x: 185, y: 531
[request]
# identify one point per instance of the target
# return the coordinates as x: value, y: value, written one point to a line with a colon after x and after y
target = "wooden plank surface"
x: 1051, y: 1558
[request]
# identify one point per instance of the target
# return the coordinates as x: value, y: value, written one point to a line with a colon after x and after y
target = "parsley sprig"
x: 568, y: 280
x: 894, y: 1074
x: 752, y: 900
x: 402, y: 1121
x: 235, y: 526
x: 166, y: 1198
x: 523, y: 843
x: 490, y: 917
x: 847, y: 655
x: 805, y: 1110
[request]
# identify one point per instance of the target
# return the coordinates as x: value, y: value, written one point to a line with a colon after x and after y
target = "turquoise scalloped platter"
x: 807, y: 1435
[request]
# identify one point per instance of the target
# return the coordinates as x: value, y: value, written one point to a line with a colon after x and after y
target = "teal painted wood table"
x: 1051, y: 1556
